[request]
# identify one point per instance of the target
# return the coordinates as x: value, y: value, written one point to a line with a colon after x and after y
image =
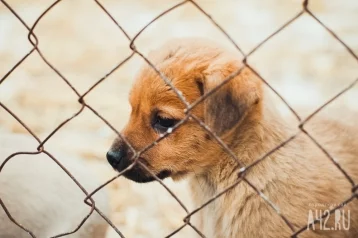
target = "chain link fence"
x: 36, y: 49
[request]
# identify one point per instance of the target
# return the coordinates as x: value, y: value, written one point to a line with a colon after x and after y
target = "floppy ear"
x: 229, y: 105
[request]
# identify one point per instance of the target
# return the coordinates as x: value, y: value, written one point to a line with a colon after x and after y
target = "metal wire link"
x: 33, y: 39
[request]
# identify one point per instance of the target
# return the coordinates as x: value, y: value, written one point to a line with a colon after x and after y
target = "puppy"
x: 298, y: 178
x: 42, y: 197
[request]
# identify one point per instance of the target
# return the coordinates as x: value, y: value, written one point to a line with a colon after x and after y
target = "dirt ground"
x: 304, y: 63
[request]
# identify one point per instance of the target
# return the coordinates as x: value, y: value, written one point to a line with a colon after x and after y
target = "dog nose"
x: 115, y: 157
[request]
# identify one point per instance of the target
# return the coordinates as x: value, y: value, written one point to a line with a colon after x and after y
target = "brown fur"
x: 295, y: 178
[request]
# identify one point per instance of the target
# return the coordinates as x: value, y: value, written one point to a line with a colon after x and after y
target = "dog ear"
x: 228, y: 106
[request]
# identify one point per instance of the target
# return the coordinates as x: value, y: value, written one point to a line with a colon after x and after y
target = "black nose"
x: 115, y: 157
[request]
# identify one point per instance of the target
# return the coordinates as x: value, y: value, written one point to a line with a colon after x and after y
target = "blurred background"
x: 304, y: 63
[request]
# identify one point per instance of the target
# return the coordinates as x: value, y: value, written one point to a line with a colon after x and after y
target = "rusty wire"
x: 189, y: 107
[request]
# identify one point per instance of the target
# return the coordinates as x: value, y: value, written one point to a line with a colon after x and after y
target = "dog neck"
x: 259, y: 133
x: 249, y: 142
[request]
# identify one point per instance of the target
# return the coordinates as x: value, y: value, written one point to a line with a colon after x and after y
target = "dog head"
x: 194, y: 67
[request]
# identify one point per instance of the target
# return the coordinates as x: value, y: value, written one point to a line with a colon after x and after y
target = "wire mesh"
x: 33, y: 39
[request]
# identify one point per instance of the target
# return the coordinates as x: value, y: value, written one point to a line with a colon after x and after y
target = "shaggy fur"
x: 41, y: 197
x: 297, y: 178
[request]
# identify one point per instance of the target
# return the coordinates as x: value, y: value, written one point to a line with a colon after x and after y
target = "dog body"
x: 43, y: 198
x: 297, y: 178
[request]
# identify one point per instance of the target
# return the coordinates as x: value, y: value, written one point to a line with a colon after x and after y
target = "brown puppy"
x: 298, y: 178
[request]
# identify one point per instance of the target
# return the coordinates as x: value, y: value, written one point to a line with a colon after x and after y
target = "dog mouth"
x: 138, y: 173
x: 145, y: 177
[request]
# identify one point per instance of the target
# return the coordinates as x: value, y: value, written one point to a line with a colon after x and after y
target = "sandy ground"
x: 303, y: 63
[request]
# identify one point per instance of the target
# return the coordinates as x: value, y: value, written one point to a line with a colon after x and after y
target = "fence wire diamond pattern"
x: 35, y: 42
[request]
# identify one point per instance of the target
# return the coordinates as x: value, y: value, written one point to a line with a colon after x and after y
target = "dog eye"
x: 162, y: 124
